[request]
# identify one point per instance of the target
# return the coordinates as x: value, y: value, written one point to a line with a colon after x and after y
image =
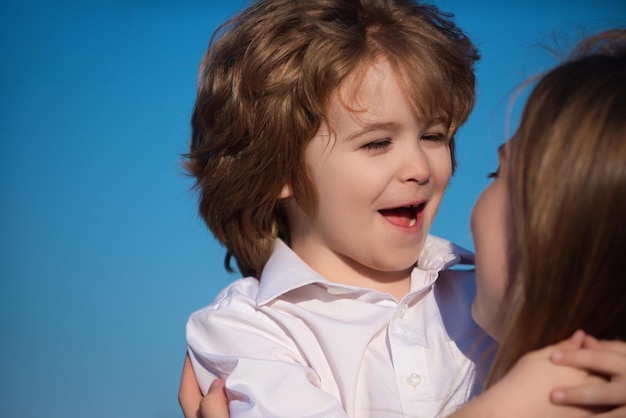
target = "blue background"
x: 102, y: 255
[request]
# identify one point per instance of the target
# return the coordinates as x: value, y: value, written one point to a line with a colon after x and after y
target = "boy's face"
x: 380, y: 178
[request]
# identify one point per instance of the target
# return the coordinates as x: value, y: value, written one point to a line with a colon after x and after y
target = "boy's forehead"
x: 363, y: 108
x: 365, y: 80
x: 360, y: 92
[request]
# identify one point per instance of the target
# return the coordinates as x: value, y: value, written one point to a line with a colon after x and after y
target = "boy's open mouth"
x: 405, y: 216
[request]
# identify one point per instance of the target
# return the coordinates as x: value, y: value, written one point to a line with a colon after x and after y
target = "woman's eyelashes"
x: 502, y: 161
x: 493, y: 174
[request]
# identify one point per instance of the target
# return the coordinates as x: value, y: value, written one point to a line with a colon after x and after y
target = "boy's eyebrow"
x: 371, y: 127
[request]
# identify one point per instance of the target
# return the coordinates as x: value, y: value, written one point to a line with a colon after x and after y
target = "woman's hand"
x: 213, y: 405
x: 606, y: 358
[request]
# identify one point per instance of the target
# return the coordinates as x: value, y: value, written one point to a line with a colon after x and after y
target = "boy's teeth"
x: 413, y: 214
x: 405, y: 216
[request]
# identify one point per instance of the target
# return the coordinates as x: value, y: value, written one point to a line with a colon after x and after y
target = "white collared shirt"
x: 296, y: 345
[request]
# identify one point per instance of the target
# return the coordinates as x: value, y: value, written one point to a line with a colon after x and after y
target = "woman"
x: 558, y: 207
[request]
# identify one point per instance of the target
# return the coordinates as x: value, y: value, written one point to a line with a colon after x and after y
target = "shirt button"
x: 401, y: 310
x: 336, y: 291
x: 414, y: 380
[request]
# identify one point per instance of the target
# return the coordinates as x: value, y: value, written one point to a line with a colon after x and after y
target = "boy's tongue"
x: 404, y: 217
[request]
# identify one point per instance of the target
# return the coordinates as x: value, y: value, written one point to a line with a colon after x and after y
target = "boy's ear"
x: 286, y: 191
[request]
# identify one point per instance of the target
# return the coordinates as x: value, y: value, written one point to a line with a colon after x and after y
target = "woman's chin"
x: 485, y: 321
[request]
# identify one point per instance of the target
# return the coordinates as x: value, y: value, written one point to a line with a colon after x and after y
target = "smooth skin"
x: 190, y: 395
x: 489, y: 232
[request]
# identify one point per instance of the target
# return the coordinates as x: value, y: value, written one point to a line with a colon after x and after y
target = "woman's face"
x: 489, y: 223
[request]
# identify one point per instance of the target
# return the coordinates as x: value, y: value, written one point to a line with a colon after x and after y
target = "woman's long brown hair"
x: 567, y: 178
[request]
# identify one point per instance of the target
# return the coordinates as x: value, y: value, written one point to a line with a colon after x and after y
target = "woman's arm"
x: 213, y: 405
x: 189, y: 394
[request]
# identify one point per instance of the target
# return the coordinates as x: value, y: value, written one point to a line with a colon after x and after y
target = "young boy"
x: 322, y: 145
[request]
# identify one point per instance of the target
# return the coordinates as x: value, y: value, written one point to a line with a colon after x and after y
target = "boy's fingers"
x: 614, y: 413
x: 600, y: 361
x: 578, y: 337
x: 572, y: 343
x: 615, y: 346
x: 599, y: 394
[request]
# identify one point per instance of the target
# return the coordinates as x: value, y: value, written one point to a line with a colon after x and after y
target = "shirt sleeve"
x: 265, y: 373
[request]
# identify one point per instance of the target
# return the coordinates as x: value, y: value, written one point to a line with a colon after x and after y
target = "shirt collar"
x: 285, y: 271
x: 439, y: 254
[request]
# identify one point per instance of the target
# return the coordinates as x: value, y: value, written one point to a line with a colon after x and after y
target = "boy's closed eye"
x: 437, y: 137
x: 377, y: 145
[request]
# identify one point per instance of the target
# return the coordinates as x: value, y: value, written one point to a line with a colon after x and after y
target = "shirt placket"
x: 410, y: 361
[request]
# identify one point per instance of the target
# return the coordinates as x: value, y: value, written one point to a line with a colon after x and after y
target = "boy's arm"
x: 607, y: 358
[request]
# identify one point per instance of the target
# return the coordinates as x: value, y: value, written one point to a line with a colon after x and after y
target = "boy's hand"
x: 606, y: 358
x: 189, y: 394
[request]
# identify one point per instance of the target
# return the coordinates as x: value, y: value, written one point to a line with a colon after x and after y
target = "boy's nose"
x: 416, y: 166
